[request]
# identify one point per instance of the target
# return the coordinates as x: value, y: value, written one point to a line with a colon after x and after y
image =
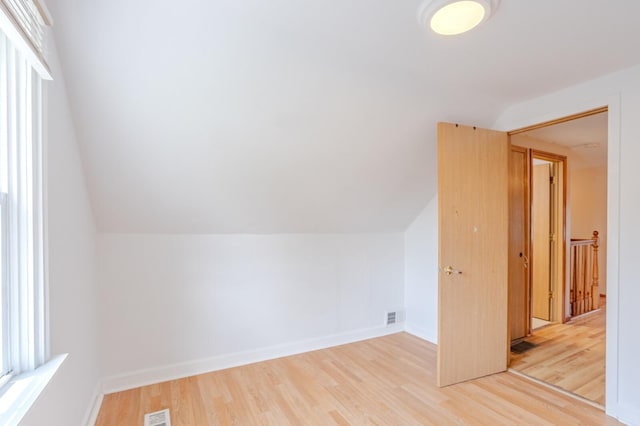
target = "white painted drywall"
x: 72, y: 281
x: 588, y: 202
x: 169, y: 299
x: 621, y: 91
x: 289, y: 116
x: 421, y: 274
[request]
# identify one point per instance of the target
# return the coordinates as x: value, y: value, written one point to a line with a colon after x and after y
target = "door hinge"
x: 552, y: 180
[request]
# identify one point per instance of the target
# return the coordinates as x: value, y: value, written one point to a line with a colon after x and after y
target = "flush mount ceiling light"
x: 450, y: 17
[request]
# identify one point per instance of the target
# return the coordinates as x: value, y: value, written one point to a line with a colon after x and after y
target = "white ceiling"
x: 205, y: 116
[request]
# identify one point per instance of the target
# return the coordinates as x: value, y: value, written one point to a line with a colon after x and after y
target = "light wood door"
x: 541, y: 243
x: 473, y: 239
x: 519, y: 319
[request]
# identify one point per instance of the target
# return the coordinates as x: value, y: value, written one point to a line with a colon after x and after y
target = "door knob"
x: 449, y: 270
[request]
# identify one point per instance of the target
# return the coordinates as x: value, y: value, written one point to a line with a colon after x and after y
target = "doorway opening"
x: 547, y: 237
x: 562, y: 290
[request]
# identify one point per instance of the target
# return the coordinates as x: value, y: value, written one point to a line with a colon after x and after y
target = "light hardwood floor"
x: 385, y: 381
x: 570, y: 356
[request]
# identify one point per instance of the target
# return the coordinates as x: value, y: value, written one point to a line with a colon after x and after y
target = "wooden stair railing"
x: 584, y: 294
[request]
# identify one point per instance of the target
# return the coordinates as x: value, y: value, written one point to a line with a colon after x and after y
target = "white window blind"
x: 22, y: 299
x: 23, y: 22
x: 31, y: 22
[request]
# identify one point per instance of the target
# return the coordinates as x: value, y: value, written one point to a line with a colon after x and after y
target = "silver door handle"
x: 449, y: 270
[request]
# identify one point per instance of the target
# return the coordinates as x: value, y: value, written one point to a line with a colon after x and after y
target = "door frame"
x: 561, y: 256
x: 526, y: 248
x: 547, y: 113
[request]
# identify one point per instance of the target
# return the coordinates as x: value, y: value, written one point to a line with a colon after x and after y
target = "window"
x: 5, y: 366
x: 22, y: 307
x: 25, y: 367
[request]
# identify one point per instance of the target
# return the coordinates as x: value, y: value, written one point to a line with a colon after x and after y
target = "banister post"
x: 595, y: 291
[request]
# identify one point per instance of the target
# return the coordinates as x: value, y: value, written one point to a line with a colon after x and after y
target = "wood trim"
x: 565, y: 184
x: 524, y: 183
x: 544, y: 222
x: 581, y: 242
x: 559, y: 120
x: 556, y: 389
x: 543, y: 155
x: 549, y: 156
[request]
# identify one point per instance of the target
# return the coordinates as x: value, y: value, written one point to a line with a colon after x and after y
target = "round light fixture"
x: 450, y: 17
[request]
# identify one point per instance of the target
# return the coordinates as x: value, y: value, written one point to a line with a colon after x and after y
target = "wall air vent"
x: 158, y: 418
x: 394, y: 316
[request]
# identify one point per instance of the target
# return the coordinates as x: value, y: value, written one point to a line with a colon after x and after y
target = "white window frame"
x: 5, y: 365
x: 25, y: 359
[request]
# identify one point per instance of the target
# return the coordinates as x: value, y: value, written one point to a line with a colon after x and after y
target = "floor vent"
x: 159, y: 418
x: 522, y: 347
x: 392, y: 317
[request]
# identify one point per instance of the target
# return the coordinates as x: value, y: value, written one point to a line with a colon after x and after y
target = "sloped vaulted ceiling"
x: 205, y: 116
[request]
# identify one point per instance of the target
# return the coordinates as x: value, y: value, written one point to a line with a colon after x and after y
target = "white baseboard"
x: 92, y: 411
x: 150, y: 376
x: 421, y: 333
x: 628, y: 415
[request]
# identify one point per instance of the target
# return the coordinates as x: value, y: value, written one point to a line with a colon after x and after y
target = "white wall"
x: 171, y: 299
x: 72, y: 281
x: 621, y: 91
x: 421, y: 274
x: 588, y: 202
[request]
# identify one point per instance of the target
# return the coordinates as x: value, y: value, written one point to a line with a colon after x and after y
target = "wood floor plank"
x: 570, y: 356
x: 384, y: 381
